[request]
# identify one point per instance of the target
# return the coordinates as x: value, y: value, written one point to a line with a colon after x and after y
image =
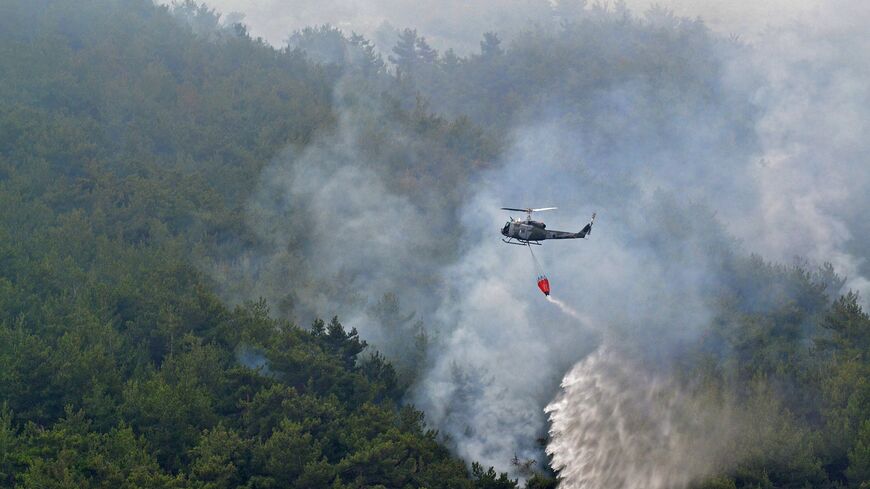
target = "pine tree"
x: 490, y: 46
x: 405, y: 52
x: 425, y: 53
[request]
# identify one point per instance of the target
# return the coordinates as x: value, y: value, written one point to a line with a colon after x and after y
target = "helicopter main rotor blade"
x: 529, y: 210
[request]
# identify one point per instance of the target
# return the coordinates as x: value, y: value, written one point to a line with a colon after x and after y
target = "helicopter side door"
x: 524, y: 231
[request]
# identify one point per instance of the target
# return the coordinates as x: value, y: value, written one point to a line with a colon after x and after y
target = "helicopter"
x: 528, y: 232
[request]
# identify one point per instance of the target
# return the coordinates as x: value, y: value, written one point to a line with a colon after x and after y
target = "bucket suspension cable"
x: 538, y: 269
x: 543, y: 282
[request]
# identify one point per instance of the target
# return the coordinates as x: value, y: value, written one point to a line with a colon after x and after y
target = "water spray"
x: 618, y: 425
x: 568, y: 309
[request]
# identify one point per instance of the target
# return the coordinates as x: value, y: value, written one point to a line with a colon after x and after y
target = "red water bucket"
x: 544, y: 285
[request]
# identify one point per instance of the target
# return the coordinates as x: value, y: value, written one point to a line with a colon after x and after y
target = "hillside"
x: 184, y: 207
x: 128, y: 141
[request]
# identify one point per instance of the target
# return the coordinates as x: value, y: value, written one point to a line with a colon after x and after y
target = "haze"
x: 458, y: 23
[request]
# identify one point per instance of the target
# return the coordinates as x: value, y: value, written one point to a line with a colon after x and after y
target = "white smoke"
x: 510, y: 343
x: 613, y: 425
x: 459, y: 24
x: 644, y: 277
x: 454, y: 23
x: 814, y: 165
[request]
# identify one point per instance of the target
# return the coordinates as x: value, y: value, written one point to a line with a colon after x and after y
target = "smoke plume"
x: 812, y: 166
x: 736, y: 148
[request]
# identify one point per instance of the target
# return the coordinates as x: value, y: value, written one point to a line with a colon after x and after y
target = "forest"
x: 172, y: 308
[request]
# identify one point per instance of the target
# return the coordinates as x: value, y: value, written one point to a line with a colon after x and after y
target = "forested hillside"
x: 153, y: 270
x: 129, y: 142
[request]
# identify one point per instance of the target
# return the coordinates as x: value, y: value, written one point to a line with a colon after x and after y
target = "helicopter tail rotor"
x: 587, y: 229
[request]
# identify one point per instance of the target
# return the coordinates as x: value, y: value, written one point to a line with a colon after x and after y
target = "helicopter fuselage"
x: 531, y: 232
x: 526, y: 232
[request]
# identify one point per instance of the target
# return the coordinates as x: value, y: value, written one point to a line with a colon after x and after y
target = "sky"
x: 458, y: 23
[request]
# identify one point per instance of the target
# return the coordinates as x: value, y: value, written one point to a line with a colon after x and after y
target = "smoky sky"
x: 459, y: 24
x: 766, y: 153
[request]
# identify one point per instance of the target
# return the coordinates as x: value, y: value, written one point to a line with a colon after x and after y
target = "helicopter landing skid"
x: 520, y: 243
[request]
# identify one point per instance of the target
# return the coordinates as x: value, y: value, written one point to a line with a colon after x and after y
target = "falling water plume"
x: 619, y: 426
x: 568, y: 310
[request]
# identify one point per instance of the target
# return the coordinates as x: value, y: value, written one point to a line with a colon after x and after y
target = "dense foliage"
x: 130, y: 138
x: 797, y: 365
